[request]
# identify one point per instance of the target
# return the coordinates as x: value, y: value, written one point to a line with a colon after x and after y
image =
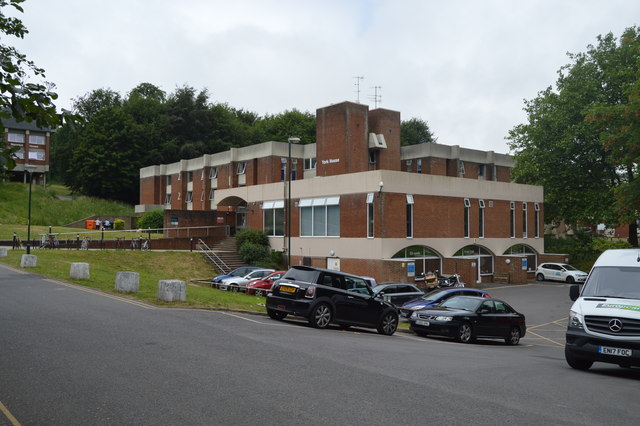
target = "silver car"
x: 240, y: 283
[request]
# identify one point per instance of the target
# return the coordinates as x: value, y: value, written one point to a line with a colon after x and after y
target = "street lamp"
x: 289, y: 173
x: 30, y: 168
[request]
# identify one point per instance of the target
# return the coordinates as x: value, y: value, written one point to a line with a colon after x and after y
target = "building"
x: 362, y: 203
x: 34, y: 146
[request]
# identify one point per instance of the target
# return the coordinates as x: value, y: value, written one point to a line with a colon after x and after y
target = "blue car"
x: 436, y: 297
x: 238, y: 272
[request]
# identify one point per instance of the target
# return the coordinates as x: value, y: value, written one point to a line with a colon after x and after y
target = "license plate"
x: 422, y: 322
x: 287, y: 289
x: 605, y: 350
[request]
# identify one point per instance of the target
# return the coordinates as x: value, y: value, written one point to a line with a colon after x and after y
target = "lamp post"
x: 30, y: 168
x: 289, y: 173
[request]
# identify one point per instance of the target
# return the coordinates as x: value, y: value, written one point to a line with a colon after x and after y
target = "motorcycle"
x: 448, y: 281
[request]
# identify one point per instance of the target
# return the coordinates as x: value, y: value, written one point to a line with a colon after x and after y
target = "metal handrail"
x: 213, y: 257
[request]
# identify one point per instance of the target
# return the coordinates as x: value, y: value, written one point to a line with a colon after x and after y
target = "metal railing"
x: 213, y: 257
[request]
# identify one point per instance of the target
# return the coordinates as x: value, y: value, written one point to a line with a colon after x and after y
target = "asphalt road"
x: 74, y: 356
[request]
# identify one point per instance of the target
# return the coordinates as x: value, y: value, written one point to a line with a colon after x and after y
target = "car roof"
x: 395, y: 283
x: 619, y: 257
x: 331, y: 271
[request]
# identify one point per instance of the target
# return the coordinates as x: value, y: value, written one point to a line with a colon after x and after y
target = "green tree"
x: 415, y: 131
x: 24, y: 95
x: 566, y: 145
x: 280, y: 127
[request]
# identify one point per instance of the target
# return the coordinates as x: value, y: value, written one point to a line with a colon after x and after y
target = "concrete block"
x: 79, y: 271
x: 3, y: 252
x: 28, y: 261
x: 172, y: 291
x: 127, y: 282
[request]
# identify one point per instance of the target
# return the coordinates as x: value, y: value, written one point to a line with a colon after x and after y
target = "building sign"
x: 331, y: 161
x: 333, y: 263
x: 411, y: 269
x: 174, y: 220
x: 524, y: 263
x: 220, y: 219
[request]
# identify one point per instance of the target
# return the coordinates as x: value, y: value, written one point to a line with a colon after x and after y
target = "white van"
x: 604, y: 322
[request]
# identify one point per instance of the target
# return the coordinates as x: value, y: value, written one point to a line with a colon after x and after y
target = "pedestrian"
x: 107, y: 224
x: 98, y: 223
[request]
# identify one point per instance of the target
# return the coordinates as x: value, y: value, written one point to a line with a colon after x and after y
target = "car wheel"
x: 259, y: 293
x: 540, y: 277
x: 276, y: 315
x: 321, y: 316
x: 514, y: 337
x: 388, y: 324
x: 465, y: 333
x: 577, y: 363
x: 570, y: 279
x: 233, y: 287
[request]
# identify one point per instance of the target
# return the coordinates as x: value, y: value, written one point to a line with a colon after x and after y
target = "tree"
x: 280, y: 127
x: 24, y: 95
x: 415, y: 131
x: 568, y: 145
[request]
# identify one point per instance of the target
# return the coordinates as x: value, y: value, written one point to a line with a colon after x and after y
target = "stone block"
x: 3, y: 252
x: 28, y: 261
x: 127, y: 282
x: 79, y: 271
x: 172, y: 291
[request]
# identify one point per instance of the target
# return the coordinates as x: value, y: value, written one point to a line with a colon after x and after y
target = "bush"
x: 252, y: 236
x: 254, y: 253
x: 118, y: 224
x: 153, y: 219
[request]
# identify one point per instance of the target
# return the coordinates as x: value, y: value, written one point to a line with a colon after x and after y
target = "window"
x: 320, y: 217
x: 36, y: 154
x: 202, y: 175
x: 409, y: 216
x: 373, y: 156
x: 189, y: 197
x: 481, y: 219
x: 370, y: 215
x: 419, y: 165
x: 167, y: 199
x: 409, y: 163
x: 310, y: 163
x: 524, y: 220
x: 241, y: 168
x: 273, y: 215
x: 495, y: 172
x: 467, y: 207
x: 461, y: 167
x: 213, y: 173
x: 212, y: 192
x: 189, y: 176
x: 168, y: 180
x: 481, y: 170
x: 536, y: 223
x: 19, y: 154
x: 512, y: 219
x: 283, y: 169
x: 36, y: 139
x: 16, y: 137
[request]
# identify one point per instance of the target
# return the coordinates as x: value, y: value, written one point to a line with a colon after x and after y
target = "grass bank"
x: 152, y: 267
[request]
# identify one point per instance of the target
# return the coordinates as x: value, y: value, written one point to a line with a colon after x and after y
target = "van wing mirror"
x: 574, y: 292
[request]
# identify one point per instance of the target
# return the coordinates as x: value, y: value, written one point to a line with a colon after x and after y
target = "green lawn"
x: 152, y: 267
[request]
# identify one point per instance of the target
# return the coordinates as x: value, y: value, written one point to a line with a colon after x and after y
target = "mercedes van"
x: 604, y: 321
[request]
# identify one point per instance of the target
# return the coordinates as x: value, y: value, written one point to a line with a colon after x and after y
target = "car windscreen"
x: 613, y: 281
x: 434, y: 295
x: 464, y: 303
x: 569, y: 268
x: 308, y: 276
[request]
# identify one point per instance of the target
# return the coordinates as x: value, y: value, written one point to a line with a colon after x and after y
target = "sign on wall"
x: 333, y: 263
x: 411, y: 269
x: 174, y: 220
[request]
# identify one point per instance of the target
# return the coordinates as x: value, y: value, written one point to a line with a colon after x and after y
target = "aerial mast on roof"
x: 357, y: 84
x: 376, y: 98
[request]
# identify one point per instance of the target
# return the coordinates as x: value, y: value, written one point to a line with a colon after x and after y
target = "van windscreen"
x: 613, y: 281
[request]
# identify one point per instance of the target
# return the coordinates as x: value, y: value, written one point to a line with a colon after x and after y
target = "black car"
x: 323, y: 297
x: 397, y: 293
x: 466, y: 317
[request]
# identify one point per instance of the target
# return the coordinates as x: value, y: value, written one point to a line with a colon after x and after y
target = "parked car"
x: 323, y: 297
x: 238, y: 272
x: 240, y: 283
x: 261, y: 286
x: 397, y: 293
x: 560, y: 272
x: 467, y: 317
x: 436, y: 297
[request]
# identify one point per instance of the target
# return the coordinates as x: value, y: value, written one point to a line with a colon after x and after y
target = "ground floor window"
x: 525, y: 251
x: 485, y: 257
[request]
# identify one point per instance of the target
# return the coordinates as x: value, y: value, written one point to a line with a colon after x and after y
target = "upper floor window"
x: 512, y: 219
x: 310, y: 163
x: 36, y: 139
x: 212, y: 192
x: 167, y: 199
x: 461, y: 168
x: 370, y: 215
x: 481, y: 219
x: 409, y: 216
x: 481, y: 170
x: 409, y: 164
x: 241, y: 168
x: 189, y: 176
x: 189, y: 198
x: 16, y: 137
x: 169, y: 180
x: 36, y: 154
x: 524, y: 220
x: 536, y: 223
x: 213, y: 173
x: 467, y: 207
x: 419, y: 165
x: 19, y: 154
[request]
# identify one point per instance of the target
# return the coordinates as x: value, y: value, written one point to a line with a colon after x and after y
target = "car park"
x: 240, y: 283
x: 325, y: 296
x: 466, y: 318
x: 560, y: 272
x: 397, y: 293
x: 604, y: 320
x: 261, y: 286
x: 238, y: 272
x: 436, y: 297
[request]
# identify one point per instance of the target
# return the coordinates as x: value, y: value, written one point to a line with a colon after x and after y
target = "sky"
x: 465, y: 67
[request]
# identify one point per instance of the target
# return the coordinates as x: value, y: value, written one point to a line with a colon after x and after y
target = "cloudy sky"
x: 463, y: 66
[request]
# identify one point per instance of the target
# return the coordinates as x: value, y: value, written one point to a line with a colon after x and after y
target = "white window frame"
x: 37, y: 140
x: 241, y: 168
x: 467, y: 218
x: 370, y: 216
x: 410, y: 216
x: 308, y: 208
x: 481, y: 212
x: 189, y: 198
x: 271, y: 208
x: 213, y: 173
x: 212, y: 193
x: 15, y: 137
x: 37, y: 154
x: 167, y: 198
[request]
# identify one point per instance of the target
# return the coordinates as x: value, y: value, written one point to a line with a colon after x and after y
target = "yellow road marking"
x: 556, y: 322
x: 546, y: 338
x: 8, y: 415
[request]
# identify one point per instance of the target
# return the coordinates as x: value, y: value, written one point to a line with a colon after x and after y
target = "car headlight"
x: 442, y: 318
x: 575, y: 320
x: 417, y: 308
x: 414, y: 315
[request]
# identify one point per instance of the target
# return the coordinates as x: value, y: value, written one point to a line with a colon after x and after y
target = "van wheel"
x: 540, y: 277
x: 321, y: 316
x: 577, y: 363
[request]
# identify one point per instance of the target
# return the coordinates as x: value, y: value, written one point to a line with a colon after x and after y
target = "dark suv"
x: 324, y: 297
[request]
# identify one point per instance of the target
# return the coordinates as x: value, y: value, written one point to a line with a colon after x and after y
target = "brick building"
x: 362, y: 203
x: 34, y: 144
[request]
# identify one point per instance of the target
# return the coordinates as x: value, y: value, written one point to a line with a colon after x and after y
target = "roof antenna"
x: 376, y: 97
x: 357, y: 84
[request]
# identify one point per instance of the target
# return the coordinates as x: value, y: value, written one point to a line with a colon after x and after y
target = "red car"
x: 262, y: 286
